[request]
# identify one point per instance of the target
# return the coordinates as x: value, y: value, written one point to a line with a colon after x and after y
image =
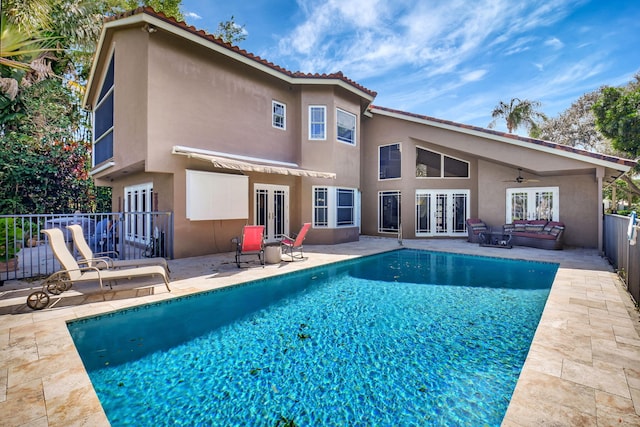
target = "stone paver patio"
x: 583, y: 368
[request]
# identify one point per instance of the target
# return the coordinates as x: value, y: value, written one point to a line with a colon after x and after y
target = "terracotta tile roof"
x: 183, y: 25
x: 540, y: 142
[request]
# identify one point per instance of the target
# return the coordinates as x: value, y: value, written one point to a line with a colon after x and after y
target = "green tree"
x: 230, y: 32
x: 44, y: 168
x: 617, y: 114
x: 517, y: 113
x: 46, y: 48
x: 168, y: 7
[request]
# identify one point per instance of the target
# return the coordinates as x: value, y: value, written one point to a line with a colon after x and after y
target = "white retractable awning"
x: 248, y: 164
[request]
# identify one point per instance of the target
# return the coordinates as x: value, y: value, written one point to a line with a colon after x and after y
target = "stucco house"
x: 186, y: 123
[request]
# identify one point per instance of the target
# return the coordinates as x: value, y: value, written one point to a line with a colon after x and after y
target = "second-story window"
x: 279, y: 115
x: 103, y: 118
x: 390, y: 165
x: 317, y: 122
x: 346, y: 129
x: 430, y: 164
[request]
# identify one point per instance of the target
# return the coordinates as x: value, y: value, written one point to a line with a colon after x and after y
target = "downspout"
x: 599, y: 176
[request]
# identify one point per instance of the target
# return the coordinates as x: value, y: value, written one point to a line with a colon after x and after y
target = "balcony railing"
x: 25, y: 254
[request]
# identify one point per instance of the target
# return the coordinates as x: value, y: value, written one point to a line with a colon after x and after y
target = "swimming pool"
x: 402, y: 338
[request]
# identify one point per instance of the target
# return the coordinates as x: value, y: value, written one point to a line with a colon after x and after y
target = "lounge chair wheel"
x: 56, y: 288
x: 38, y: 300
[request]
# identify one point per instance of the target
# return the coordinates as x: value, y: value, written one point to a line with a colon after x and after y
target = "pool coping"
x: 583, y: 367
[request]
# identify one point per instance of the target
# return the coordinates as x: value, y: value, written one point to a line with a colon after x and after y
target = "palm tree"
x: 518, y: 113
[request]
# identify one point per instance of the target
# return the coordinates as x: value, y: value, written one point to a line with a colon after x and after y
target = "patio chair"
x: 101, y: 261
x: 292, y: 245
x: 250, y: 243
x: 71, y: 272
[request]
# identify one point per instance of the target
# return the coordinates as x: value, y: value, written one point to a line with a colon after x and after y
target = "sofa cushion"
x: 477, y: 225
x: 552, y: 224
x: 520, y: 224
x: 556, y: 230
x: 534, y: 228
x: 534, y: 235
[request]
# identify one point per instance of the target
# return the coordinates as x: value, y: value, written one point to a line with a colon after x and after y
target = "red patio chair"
x: 250, y: 243
x: 292, y: 245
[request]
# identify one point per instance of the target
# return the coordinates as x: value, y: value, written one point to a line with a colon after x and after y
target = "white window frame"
x: 275, y: 116
x: 320, y: 205
x: 331, y: 207
x: 534, y: 212
x: 339, y: 112
x: 442, y: 171
x: 381, y: 195
x: 312, y: 136
x: 380, y: 178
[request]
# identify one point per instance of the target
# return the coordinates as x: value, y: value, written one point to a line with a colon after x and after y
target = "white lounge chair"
x: 97, y: 260
x: 71, y: 272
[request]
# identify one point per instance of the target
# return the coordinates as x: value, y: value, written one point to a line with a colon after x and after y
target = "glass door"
x: 137, y: 205
x: 272, y: 210
x: 441, y: 212
x: 533, y: 203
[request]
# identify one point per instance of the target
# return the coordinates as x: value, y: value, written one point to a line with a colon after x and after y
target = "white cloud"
x: 554, y: 42
x: 473, y: 76
x: 192, y: 15
x: 521, y: 44
x: 419, y: 53
x: 370, y: 35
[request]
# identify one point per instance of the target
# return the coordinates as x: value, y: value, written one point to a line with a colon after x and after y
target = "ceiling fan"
x: 520, y: 179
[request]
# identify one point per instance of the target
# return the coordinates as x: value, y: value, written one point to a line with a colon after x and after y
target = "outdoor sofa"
x: 540, y: 234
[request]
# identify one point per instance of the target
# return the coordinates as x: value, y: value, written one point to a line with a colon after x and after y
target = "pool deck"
x: 583, y: 368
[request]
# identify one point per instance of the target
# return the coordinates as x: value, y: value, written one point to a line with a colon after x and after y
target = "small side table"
x: 495, y: 239
x: 272, y: 253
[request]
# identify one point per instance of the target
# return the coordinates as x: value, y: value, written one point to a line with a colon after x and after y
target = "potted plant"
x: 10, y: 243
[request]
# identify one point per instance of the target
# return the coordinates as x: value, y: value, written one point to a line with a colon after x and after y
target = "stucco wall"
x: 171, y: 91
x: 578, y: 200
x: 489, y: 172
x: 200, y: 99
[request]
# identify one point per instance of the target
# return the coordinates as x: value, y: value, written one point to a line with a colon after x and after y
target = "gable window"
x: 335, y: 207
x: 388, y: 211
x: 534, y: 203
x: 346, y: 130
x: 317, y: 122
x: 389, y: 161
x: 103, y: 119
x: 430, y: 164
x: 279, y: 114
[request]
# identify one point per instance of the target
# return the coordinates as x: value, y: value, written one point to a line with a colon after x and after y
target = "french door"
x: 137, y: 204
x: 441, y: 212
x: 272, y: 210
x: 533, y: 203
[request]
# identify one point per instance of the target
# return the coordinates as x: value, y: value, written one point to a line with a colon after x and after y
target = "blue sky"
x: 450, y: 59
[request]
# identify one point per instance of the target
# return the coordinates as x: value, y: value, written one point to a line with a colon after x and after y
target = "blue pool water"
x: 402, y: 338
